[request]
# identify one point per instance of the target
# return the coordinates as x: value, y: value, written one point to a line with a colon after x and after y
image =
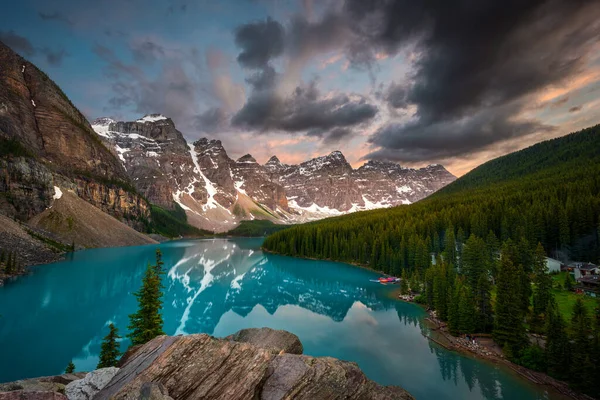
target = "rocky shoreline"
x: 260, y: 363
x: 484, y: 348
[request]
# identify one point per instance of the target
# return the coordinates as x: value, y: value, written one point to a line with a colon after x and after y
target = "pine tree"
x: 508, y: 324
x: 579, y: 312
x: 450, y: 245
x: 404, y: 283
x: 557, y: 343
x: 70, y: 368
x: 110, y: 353
x: 568, y: 282
x: 466, y: 310
x: 147, y: 322
x: 483, y: 301
x: 453, y: 309
x: 580, y: 355
x: 543, y: 282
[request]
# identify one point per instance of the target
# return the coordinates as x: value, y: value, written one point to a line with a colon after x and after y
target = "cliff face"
x: 154, y: 154
x: 45, y: 142
x: 35, y: 111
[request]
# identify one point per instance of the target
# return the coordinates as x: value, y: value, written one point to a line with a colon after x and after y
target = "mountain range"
x: 66, y: 182
x: 217, y: 192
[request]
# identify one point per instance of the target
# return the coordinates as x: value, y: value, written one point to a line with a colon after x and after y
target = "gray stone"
x: 270, y: 339
x: 88, y: 387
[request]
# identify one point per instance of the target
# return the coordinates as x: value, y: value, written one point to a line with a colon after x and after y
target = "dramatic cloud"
x: 304, y: 110
x: 18, y: 43
x: 415, y: 141
x: 280, y: 101
x: 476, y: 66
x: 260, y: 42
x: 396, y: 95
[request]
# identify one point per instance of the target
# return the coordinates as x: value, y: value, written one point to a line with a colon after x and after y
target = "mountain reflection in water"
x: 218, y: 286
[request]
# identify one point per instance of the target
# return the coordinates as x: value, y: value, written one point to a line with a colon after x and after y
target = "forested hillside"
x: 547, y: 193
x: 490, y: 231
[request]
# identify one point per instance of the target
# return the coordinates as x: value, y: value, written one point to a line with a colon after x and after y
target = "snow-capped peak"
x: 103, y: 121
x: 247, y: 159
x: 101, y: 126
x: 274, y: 161
x: 152, y: 118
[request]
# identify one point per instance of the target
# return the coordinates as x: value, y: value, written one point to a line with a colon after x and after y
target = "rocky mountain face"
x: 218, y: 192
x: 262, y: 364
x: 46, y: 143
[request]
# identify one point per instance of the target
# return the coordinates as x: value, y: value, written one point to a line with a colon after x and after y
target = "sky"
x: 415, y: 82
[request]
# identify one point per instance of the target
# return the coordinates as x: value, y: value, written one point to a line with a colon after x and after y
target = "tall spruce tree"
x: 509, y: 330
x: 483, y: 301
x: 542, y: 281
x: 557, y: 343
x: 581, y: 353
x: 466, y: 310
x: 147, y: 322
x: 453, y: 309
x: 404, y: 282
x: 109, y: 353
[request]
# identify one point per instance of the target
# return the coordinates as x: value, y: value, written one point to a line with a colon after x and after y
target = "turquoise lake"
x: 218, y: 286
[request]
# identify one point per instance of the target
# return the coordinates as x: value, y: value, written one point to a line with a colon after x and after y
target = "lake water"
x: 219, y: 286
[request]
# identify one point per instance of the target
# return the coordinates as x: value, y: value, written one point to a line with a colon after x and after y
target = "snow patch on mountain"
x: 151, y: 118
x: 57, y: 193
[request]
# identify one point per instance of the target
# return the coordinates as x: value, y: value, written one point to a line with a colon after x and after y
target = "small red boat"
x: 389, y: 279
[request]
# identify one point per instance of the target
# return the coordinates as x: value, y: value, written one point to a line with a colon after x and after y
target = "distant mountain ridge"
x: 218, y: 192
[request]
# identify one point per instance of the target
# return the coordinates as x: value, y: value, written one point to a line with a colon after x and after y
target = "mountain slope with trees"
x: 548, y: 193
x: 475, y: 252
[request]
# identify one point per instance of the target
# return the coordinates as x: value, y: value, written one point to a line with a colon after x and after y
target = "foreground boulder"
x: 269, y: 339
x: 203, y: 367
x: 92, y: 383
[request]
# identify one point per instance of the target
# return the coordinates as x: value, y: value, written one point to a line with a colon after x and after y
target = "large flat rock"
x: 203, y: 367
x: 270, y: 339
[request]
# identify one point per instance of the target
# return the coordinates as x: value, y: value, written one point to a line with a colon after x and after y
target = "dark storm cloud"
x: 396, y: 95
x: 476, y: 61
x: 210, y: 121
x: 263, y: 79
x: 415, y: 142
x: 259, y: 42
x: 55, y: 16
x: 575, y: 109
x: 18, y: 43
x: 304, y: 110
x: 333, y: 136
